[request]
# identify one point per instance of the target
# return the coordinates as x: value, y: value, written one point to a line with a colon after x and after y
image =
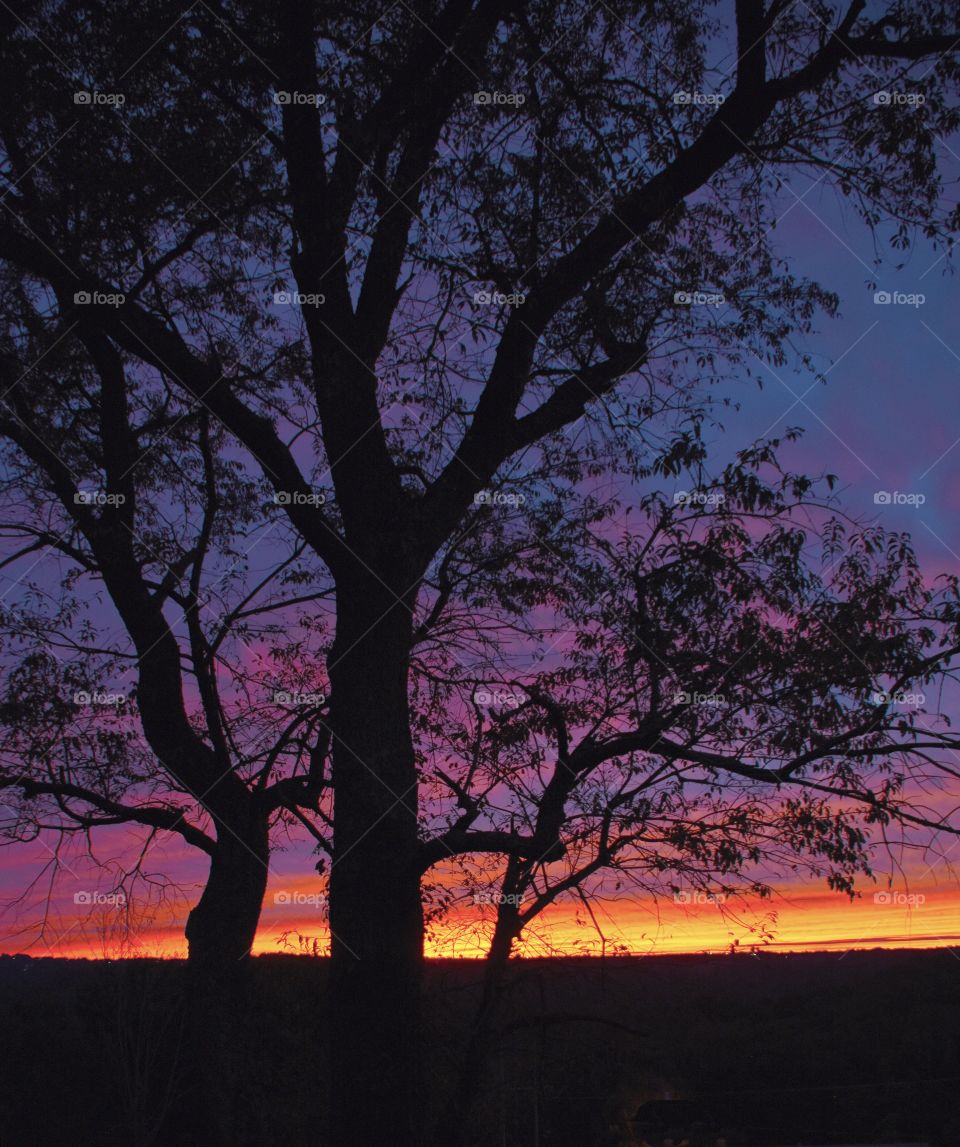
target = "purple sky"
x: 888, y: 416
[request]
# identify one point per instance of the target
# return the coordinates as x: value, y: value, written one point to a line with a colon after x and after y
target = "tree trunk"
x: 216, y: 1048
x: 376, y: 917
x: 470, y: 1074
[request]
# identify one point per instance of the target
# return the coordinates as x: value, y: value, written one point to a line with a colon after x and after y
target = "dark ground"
x: 817, y: 1047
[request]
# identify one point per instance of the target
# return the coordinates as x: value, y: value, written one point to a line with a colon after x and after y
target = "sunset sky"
x: 888, y: 419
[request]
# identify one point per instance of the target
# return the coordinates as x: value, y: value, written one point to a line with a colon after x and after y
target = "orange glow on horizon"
x: 798, y: 919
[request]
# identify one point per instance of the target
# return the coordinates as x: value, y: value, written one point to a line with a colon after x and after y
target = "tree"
x: 204, y: 721
x: 395, y: 269
x: 729, y: 706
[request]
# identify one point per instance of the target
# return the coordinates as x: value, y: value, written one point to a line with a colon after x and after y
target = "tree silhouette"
x: 420, y: 300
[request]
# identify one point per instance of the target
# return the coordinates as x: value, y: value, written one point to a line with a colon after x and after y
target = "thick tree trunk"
x: 480, y: 1041
x: 376, y: 916
x: 216, y: 1047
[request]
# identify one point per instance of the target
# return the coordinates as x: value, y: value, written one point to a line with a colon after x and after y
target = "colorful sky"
x: 888, y: 419
x: 919, y: 911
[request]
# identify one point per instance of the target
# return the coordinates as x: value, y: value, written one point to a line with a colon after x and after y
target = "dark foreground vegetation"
x: 863, y: 1047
